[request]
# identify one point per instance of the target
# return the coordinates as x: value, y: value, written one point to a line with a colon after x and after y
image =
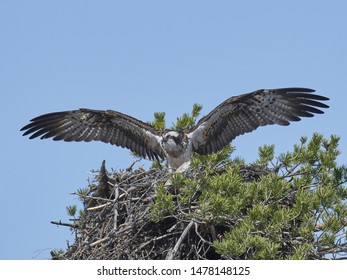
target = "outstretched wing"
x: 245, y: 113
x: 106, y: 126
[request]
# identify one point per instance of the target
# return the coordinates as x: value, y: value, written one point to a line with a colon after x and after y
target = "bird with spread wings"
x: 235, y: 116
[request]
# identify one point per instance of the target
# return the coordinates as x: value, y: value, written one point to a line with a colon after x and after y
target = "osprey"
x: 235, y: 116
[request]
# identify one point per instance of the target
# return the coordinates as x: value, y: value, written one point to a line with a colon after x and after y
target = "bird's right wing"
x: 95, y: 125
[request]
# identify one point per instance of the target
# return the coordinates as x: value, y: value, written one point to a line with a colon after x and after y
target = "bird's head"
x: 173, y: 141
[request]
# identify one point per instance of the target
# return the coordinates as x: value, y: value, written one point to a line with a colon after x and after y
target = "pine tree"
x: 291, y: 206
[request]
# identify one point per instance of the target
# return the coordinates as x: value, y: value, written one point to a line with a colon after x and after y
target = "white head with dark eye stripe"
x: 173, y: 142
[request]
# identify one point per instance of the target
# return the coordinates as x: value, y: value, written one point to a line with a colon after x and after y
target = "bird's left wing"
x: 106, y: 126
x: 245, y: 113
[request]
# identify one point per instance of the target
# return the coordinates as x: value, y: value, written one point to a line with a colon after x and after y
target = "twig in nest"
x: 198, y: 234
x: 91, y: 197
x: 172, y: 253
x: 130, y: 168
x: 60, y: 223
x: 99, y: 241
x: 116, y: 194
x: 156, y: 239
x: 99, y: 206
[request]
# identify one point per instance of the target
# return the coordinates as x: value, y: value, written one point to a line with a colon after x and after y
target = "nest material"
x: 116, y: 223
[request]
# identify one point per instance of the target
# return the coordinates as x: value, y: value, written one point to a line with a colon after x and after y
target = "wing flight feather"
x: 245, y: 113
x: 95, y: 125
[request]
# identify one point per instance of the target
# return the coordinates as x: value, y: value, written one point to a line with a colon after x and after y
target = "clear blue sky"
x: 139, y: 57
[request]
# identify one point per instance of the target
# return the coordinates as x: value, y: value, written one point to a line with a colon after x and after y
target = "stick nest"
x: 116, y: 222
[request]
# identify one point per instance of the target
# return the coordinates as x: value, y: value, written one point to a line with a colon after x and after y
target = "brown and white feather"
x: 95, y: 125
x: 245, y: 113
